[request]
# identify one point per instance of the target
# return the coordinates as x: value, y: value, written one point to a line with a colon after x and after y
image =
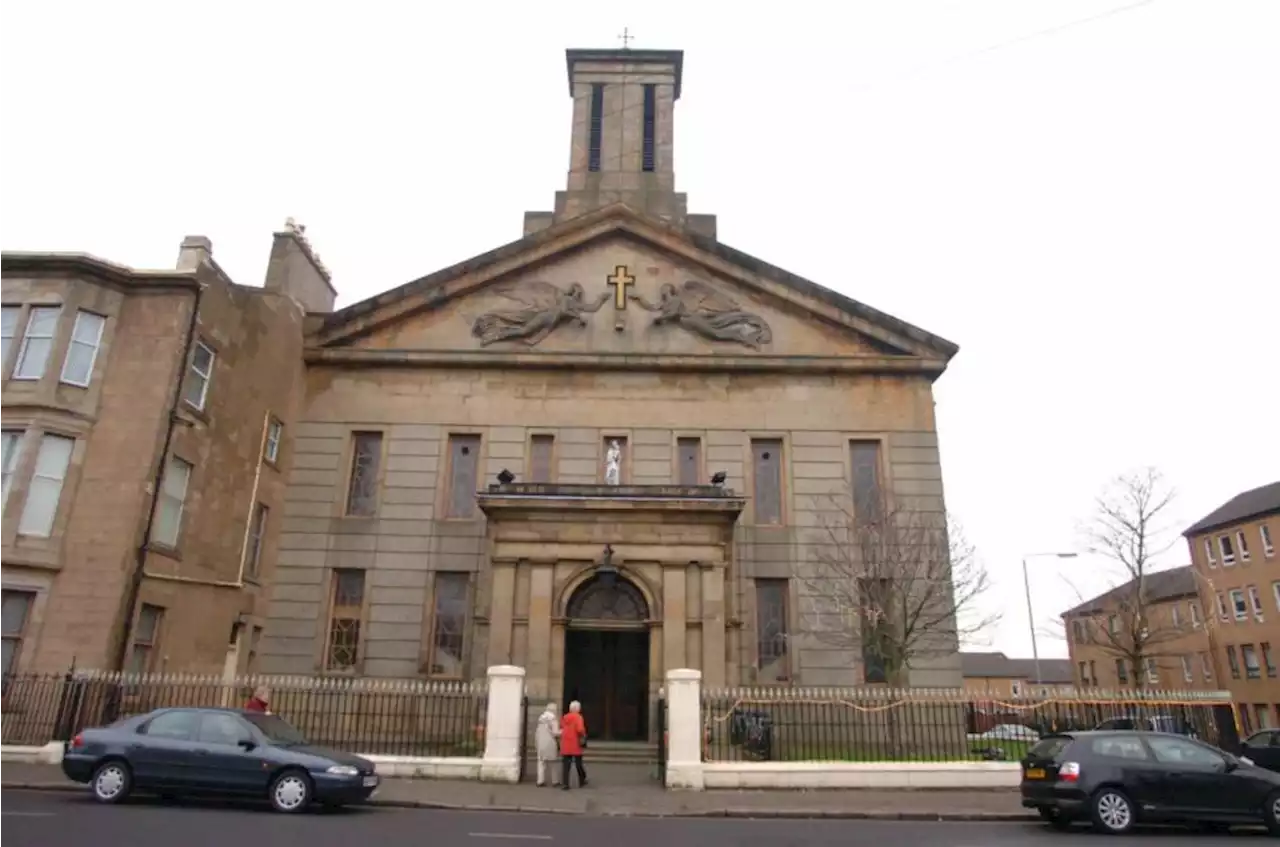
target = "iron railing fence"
x: 390, y: 717
x: 933, y: 725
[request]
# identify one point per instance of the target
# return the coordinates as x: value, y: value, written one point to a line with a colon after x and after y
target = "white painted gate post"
x: 502, y: 751
x: 684, y: 729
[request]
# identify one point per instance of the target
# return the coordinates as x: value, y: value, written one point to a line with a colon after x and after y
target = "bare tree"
x: 896, y: 585
x: 1130, y: 526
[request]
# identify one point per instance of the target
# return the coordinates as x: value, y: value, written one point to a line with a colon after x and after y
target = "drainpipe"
x: 121, y: 648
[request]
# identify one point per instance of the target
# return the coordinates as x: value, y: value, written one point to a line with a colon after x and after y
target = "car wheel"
x: 290, y: 792
x: 1112, y: 811
x: 1054, y: 817
x: 1271, y: 814
x: 112, y: 782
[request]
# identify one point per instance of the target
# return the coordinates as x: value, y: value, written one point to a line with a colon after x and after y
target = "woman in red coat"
x: 573, y: 736
x: 258, y: 702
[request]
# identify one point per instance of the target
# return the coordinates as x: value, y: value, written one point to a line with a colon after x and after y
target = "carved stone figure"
x: 613, y: 463
x: 545, y: 307
x: 700, y: 309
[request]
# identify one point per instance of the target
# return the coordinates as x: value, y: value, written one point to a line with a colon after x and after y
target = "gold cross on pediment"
x: 620, y: 280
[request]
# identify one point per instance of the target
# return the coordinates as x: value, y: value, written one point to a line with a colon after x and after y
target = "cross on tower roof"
x: 626, y: 38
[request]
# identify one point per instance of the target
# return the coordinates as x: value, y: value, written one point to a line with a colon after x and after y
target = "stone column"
x: 502, y: 600
x: 541, y: 588
x: 502, y: 751
x: 684, y: 729
x: 713, y: 653
x: 673, y: 617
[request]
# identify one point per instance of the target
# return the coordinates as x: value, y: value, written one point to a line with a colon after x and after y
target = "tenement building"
x: 144, y: 446
x: 653, y: 422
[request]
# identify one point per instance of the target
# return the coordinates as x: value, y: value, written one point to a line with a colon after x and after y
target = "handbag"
x: 582, y: 741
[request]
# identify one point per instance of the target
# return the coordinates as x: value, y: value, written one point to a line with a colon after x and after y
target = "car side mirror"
x: 1232, y: 764
x: 247, y: 744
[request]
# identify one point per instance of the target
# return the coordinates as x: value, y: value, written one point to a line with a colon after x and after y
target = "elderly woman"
x: 573, y: 735
x: 548, y: 748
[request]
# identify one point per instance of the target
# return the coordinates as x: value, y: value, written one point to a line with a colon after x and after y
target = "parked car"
x: 1007, y: 732
x: 175, y: 752
x: 1116, y: 779
x: 1263, y: 749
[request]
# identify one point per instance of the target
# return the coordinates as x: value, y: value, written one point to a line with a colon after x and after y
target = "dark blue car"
x: 176, y: 752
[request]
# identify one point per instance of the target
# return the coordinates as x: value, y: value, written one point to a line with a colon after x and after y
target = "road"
x: 58, y: 819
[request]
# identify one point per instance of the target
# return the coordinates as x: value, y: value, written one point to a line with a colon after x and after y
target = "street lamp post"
x: 1031, y: 618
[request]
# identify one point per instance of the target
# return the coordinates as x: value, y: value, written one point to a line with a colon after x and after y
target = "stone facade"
x: 67, y: 581
x: 528, y: 360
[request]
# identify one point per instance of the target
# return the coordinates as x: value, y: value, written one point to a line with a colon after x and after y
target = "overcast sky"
x: 1081, y: 193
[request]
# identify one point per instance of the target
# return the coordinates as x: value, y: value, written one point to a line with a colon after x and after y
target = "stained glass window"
x: 608, y: 600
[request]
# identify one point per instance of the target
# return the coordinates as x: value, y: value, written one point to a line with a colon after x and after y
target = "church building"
x: 598, y: 452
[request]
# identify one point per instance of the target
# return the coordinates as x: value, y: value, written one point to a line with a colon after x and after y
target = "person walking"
x: 260, y: 701
x: 546, y: 745
x: 573, y: 738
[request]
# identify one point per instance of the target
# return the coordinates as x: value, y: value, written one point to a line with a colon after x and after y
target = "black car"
x: 1263, y: 749
x: 175, y: 752
x: 1118, y: 779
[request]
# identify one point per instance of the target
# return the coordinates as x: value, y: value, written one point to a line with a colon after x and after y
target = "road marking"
x: 529, y: 836
x: 28, y: 814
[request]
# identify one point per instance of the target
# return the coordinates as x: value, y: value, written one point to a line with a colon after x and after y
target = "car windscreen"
x: 1049, y: 748
x: 276, y: 729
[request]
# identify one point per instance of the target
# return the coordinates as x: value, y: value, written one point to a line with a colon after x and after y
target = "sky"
x: 1081, y: 193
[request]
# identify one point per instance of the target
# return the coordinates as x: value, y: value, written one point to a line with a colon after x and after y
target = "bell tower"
x: 621, y: 147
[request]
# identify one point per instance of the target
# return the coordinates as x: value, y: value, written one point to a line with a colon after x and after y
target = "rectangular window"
x: 689, y: 460
x: 876, y: 629
x: 146, y: 639
x: 362, y: 487
x: 342, y: 652
x: 766, y: 454
x: 1242, y: 546
x: 1197, y: 618
x: 8, y: 330
x: 1188, y: 673
x: 1264, y: 715
x: 45, y: 489
x: 542, y: 451
x: 1267, y: 660
x: 1233, y: 662
x: 1175, y: 615
x: 864, y: 464
x: 275, y: 432
x: 1238, y: 604
x: 1208, y: 553
x: 1122, y: 672
x: 1223, y: 614
x: 1255, y: 600
x: 10, y: 445
x: 449, y: 624
x: 1275, y: 593
x: 1268, y: 547
x: 650, y: 125
x: 597, y: 126
x: 199, y: 373
x: 1227, y: 550
x: 1153, y: 672
x: 17, y: 611
x: 1251, y: 667
x: 257, y: 534
x: 86, y: 337
x: 1113, y: 625
x: 1084, y: 673
x: 1077, y: 631
x: 1093, y: 672
x: 464, y: 462
x: 37, y: 342
x: 173, y: 497
x: 1206, y: 666
x: 771, y: 631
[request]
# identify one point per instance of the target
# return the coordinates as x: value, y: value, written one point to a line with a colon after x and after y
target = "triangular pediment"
x: 682, y: 295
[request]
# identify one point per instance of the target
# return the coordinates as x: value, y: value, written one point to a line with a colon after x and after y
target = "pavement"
x: 623, y: 791
x: 67, y: 819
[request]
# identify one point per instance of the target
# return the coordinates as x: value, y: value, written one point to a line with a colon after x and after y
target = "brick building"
x: 143, y: 455
x: 1175, y: 651
x: 1233, y: 551
x: 993, y: 674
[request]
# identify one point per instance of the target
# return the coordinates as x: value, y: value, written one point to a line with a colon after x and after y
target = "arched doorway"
x: 606, y: 657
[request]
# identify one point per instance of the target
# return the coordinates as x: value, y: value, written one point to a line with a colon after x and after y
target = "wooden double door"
x: 607, y: 671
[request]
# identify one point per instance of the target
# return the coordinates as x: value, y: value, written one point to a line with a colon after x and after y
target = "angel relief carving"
x: 544, y: 307
x: 700, y: 309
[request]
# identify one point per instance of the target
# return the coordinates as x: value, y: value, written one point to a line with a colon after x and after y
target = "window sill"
x: 164, y: 550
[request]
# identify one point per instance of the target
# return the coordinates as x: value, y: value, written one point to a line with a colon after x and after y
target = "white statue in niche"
x: 613, y: 463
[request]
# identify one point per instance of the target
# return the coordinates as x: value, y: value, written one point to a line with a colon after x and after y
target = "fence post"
x: 684, y: 729
x: 502, y: 730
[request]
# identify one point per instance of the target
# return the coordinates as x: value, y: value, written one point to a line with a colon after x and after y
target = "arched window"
x: 608, y: 600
